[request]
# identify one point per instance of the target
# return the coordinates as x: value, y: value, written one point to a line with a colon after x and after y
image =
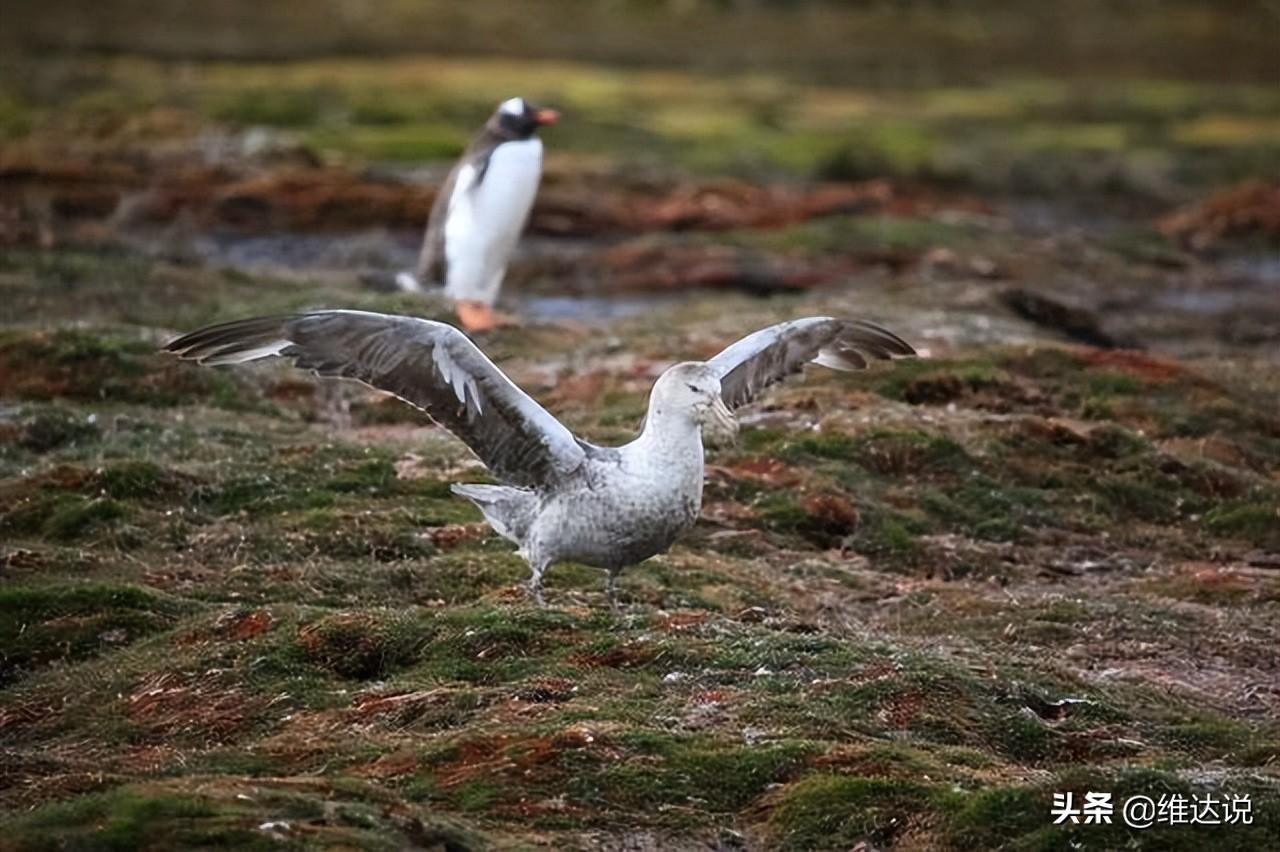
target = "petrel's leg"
x: 335, y: 406
x: 535, y: 582
x: 611, y: 591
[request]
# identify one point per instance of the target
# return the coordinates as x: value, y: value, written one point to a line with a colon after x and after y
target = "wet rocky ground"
x: 238, y: 608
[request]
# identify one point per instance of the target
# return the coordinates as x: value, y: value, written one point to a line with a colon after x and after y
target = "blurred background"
x: 920, y: 600
x: 237, y: 132
x: 311, y: 135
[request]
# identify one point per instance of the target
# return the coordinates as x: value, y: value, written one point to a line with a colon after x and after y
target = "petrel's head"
x: 693, y: 389
x: 516, y: 118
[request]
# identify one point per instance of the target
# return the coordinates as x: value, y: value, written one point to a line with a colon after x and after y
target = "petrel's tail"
x: 510, y: 511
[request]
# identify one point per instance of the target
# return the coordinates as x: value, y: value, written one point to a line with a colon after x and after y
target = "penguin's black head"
x: 516, y: 118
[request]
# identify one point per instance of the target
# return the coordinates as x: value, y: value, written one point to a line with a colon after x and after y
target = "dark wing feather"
x: 771, y: 354
x: 430, y: 365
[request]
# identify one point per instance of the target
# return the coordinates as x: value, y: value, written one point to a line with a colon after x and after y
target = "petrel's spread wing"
x: 428, y: 364
x: 771, y: 354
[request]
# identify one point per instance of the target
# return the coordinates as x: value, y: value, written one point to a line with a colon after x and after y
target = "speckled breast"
x: 614, y: 528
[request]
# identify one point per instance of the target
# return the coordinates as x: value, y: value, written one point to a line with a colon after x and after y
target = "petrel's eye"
x: 694, y: 388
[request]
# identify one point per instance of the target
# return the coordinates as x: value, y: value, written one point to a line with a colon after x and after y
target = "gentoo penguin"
x: 480, y: 211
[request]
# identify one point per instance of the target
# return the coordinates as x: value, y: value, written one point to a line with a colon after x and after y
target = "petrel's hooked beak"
x: 546, y: 116
x: 724, y: 425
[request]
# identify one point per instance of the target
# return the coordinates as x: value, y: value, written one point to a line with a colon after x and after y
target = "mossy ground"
x: 225, y: 619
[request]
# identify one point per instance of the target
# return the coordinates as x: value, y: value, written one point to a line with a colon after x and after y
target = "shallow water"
x: 375, y: 256
x: 293, y: 252
x: 587, y: 308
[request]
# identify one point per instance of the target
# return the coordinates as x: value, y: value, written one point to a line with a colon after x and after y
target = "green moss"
x: 885, y: 148
x: 836, y: 812
x: 968, y: 757
x: 373, y: 477
x: 475, y: 796
x: 1261, y: 753
x: 95, y: 366
x: 382, y: 536
x: 240, y: 494
x: 396, y: 142
x: 72, y: 517
x: 484, y: 645
x: 1115, y: 442
x: 1021, y: 736
x: 1047, y: 363
x: 236, y: 761
x: 43, y: 625
x: 884, y: 534
x: 123, y: 819
x: 764, y: 440
x: 991, y: 818
x: 941, y: 386
x: 886, y: 452
x: 161, y: 817
x: 1209, y: 737
x: 363, y: 645
x: 54, y: 428
x: 330, y: 477
x: 260, y: 494
x: 137, y: 480
x: 671, y: 771
x: 1133, y: 497
x: 982, y: 508
x: 16, y: 117
x: 1112, y: 384
x: 1257, y: 523
x: 779, y: 511
x: 828, y: 445
x: 911, y: 453
x: 277, y: 106
x: 71, y: 503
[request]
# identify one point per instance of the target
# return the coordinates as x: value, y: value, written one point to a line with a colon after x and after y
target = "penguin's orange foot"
x: 476, y: 316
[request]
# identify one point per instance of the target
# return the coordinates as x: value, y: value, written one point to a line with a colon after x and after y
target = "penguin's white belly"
x: 485, y: 221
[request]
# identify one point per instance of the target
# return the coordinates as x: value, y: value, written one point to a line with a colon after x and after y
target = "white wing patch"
x: 833, y: 360
x: 264, y: 351
x: 455, y: 378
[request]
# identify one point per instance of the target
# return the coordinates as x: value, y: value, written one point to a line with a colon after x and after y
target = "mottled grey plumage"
x: 562, y: 499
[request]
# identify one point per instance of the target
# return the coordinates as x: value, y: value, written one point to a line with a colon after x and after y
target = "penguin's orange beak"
x: 546, y: 116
